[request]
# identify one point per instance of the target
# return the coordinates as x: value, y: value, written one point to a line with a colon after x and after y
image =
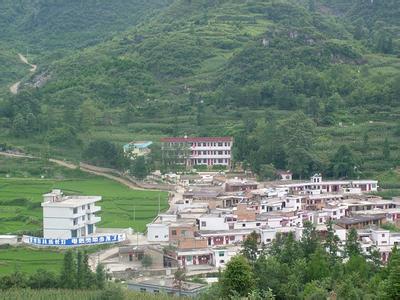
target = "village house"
x: 362, y: 221
x: 239, y: 185
x: 167, y: 286
x: 133, y: 150
x: 284, y: 175
x: 66, y: 217
x: 198, y: 151
x: 317, y: 185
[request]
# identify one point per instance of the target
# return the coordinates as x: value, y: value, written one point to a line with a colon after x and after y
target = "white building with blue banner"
x: 67, y: 218
x: 82, y: 241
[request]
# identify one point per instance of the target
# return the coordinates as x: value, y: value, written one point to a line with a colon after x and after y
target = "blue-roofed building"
x: 136, y: 149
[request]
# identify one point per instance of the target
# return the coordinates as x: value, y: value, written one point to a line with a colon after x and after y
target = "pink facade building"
x: 192, y: 151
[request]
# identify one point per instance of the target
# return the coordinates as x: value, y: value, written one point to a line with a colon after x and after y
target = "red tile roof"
x: 196, y: 139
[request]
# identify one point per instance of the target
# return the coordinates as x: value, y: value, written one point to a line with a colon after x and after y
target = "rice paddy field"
x: 22, y: 184
x: 122, y: 207
x: 27, y: 294
x: 28, y: 260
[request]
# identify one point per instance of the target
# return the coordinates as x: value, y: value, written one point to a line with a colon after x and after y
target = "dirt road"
x: 83, y: 168
x: 15, y: 87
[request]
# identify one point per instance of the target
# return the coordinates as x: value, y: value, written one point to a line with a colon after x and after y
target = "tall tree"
x: 309, y: 240
x: 352, y: 246
x: 250, y: 247
x: 68, y: 273
x: 343, y: 163
x: 394, y: 275
x: 237, y: 277
x: 139, y: 168
x: 100, y: 276
x: 332, y: 243
x: 79, y: 270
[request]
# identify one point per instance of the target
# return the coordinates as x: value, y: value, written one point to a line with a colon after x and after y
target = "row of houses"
x: 209, y: 224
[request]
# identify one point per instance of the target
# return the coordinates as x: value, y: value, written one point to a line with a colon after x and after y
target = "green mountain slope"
x: 214, y: 67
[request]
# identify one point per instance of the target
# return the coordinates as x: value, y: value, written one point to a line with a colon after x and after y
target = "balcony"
x: 94, y: 209
x: 93, y: 220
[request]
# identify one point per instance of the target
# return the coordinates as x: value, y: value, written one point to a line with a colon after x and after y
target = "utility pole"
x: 159, y: 203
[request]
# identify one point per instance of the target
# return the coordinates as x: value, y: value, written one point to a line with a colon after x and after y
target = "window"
x: 258, y: 224
x: 268, y: 240
x: 334, y: 213
x: 383, y: 235
x: 88, y: 206
x: 297, y: 200
x: 142, y: 289
x: 156, y: 291
x: 156, y: 236
x: 320, y: 220
x: 83, y: 207
x: 221, y: 253
x: 75, y: 221
x: 74, y: 233
x: 203, y: 223
x: 243, y: 225
x: 83, y: 218
x: 189, y: 258
x: 173, y: 232
x: 75, y: 210
x: 221, y: 261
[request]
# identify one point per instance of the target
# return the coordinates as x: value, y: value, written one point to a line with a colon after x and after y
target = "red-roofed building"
x: 192, y: 151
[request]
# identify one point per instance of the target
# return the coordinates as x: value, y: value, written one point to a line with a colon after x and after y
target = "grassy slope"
x: 29, y: 260
x: 49, y: 30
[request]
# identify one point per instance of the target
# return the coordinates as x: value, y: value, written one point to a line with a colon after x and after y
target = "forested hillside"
x: 291, y: 80
x: 45, y: 30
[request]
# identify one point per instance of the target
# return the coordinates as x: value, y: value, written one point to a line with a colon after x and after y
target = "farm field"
x: 20, y: 199
x: 29, y: 260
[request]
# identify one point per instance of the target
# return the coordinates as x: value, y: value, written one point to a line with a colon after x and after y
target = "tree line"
x: 309, y: 268
x: 75, y: 274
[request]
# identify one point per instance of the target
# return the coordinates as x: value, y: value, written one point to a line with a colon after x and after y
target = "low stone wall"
x: 8, y: 239
x: 130, y: 274
x: 140, y: 184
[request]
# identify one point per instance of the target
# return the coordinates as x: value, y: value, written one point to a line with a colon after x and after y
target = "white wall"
x: 213, y: 223
x: 157, y: 232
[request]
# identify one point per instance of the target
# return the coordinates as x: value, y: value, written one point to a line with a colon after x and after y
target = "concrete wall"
x: 8, y: 239
x: 157, y: 233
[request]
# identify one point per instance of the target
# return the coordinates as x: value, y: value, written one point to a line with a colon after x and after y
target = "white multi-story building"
x: 66, y: 217
x: 207, y: 151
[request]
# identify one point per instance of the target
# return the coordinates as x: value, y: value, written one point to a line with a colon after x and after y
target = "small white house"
x: 158, y: 232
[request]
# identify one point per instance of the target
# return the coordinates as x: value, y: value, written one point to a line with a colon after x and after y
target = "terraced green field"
x: 29, y: 260
x: 20, y: 200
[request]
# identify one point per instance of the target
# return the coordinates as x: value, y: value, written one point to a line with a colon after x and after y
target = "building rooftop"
x: 359, y: 219
x: 168, y: 283
x: 56, y: 199
x: 195, y: 139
